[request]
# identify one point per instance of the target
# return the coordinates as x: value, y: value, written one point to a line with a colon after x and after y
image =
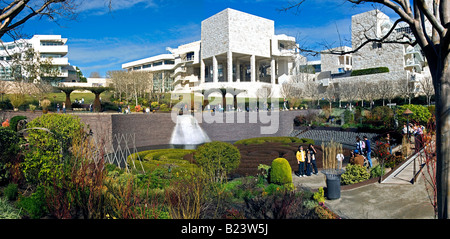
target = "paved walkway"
x: 376, y: 201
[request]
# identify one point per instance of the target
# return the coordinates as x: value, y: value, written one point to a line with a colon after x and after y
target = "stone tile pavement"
x: 376, y: 201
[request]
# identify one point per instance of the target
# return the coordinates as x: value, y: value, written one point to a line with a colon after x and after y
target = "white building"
x: 403, y: 60
x: 237, y: 50
x: 47, y: 48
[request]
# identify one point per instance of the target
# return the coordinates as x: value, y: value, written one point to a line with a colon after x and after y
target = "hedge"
x: 369, y: 71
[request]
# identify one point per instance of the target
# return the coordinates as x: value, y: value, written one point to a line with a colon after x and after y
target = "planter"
x: 333, y: 180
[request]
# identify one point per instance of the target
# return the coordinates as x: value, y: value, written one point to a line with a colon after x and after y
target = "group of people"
x: 362, y: 152
x: 417, y: 131
x: 306, y: 161
x: 63, y: 107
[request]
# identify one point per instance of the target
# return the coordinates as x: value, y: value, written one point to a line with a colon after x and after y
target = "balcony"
x: 54, y: 49
x: 63, y: 61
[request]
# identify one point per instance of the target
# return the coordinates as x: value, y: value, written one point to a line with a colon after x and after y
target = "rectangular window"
x: 159, y: 63
x: 169, y: 62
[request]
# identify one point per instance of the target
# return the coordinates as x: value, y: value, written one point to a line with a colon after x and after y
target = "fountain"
x: 188, y: 132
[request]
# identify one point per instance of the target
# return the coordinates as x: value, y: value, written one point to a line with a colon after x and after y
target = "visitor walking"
x: 301, y: 155
x: 340, y: 159
x: 57, y: 108
x: 368, y: 151
x: 312, y: 153
x: 358, y: 144
x: 64, y: 107
x: 389, y: 142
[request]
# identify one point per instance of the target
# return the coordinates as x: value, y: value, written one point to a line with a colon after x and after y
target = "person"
x: 64, y: 107
x: 312, y: 153
x: 340, y: 159
x: 357, y: 158
x: 405, y: 130
x: 82, y: 100
x: 389, y: 142
x: 301, y: 155
x: 418, y: 133
x: 368, y: 150
x: 358, y: 144
x: 57, y: 108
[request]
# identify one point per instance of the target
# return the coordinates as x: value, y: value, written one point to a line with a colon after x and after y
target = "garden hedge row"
x: 369, y: 71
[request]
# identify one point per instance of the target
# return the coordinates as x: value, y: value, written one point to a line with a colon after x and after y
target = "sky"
x: 101, y: 39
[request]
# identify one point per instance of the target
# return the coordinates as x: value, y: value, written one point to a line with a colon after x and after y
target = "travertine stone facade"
x: 238, y: 32
x: 374, y: 25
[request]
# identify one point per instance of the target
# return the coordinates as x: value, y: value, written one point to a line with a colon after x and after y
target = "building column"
x: 202, y: 71
x: 253, y: 68
x: 272, y: 71
x: 238, y: 71
x: 215, y: 70
x: 230, y: 66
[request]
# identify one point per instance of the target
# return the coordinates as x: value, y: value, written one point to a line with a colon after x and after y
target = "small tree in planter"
x: 17, y: 100
x: 331, y: 171
x: 45, y: 104
x: 97, y: 91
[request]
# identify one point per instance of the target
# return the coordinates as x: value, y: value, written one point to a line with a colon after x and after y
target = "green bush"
x: 369, y: 71
x: 319, y: 196
x: 9, y: 147
x: 35, y: 205
x: 261, y: 140
x: 354, y: 173
x: 44, y: 161
x: 376, y: 171
x: 14, y: 121
x: 281, y: 172
x: 421, y: 114
x: 163, y: 158
x: 11, y: 191
x: 217, y: 159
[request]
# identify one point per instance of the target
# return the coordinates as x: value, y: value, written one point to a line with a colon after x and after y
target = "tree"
x: 429, y: 22
x: 14, y: 14
x: 427, y: 88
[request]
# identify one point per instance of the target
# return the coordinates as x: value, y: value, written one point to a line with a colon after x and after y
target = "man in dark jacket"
x: 368, y: 151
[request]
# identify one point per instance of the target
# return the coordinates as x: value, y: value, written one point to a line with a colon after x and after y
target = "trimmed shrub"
x: 261, y: 140
x: 281, y: 172
x: 354, y: 173
x: 369, y: 71
x: 217, y: 158
x: 164, y: 158
x: 14, y: 121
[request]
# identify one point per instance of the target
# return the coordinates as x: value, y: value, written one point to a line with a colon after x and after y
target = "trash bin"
x: 333, y: 180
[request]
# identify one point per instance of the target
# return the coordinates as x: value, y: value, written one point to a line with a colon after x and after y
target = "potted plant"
x: 45, y: 103
x: 32, y: 108
x: 332, y: 170
x: 17, y: 100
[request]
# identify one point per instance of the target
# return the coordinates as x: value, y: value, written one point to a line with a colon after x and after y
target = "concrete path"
x: 376, y: 201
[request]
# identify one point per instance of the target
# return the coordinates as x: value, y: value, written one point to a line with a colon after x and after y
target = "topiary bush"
x: 15, y: 120
x: 281, y: 172
x: 163, y: 158
x: 354, y: 173
x: 217, y: 159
